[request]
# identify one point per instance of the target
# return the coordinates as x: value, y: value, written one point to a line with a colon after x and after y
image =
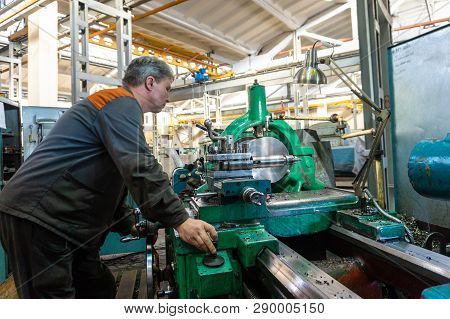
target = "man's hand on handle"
x: 199, y: 234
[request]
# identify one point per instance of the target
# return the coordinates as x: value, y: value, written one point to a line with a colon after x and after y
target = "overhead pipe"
x: 423, y: 24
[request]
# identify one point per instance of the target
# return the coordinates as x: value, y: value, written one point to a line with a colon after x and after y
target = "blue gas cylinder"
x: 429, y: 168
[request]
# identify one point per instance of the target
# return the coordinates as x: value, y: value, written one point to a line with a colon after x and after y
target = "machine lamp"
x: 311, y: 74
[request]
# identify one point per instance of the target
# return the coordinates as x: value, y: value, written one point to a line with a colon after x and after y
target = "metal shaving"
x: 418, y: 234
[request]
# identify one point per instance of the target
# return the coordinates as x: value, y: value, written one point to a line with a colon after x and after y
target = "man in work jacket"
x: 57, y: 208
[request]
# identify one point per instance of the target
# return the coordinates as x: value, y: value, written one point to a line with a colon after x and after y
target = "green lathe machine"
x: 257, y: 186
x: 260, y: 184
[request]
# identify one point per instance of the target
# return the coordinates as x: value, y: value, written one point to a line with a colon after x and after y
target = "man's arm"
x: 124, y: 222
x: 119, y: 126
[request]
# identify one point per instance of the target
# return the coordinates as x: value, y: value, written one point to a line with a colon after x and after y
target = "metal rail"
x: 292, y: 276
x: 289, y: 275
x: 423, y: 264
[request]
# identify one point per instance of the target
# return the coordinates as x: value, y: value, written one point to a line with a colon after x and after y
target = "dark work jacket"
x: 73, y: 183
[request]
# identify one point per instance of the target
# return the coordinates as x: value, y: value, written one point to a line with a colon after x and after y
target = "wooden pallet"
x: 127, y: 281
x: 8, y: 289
x: 131, y: 284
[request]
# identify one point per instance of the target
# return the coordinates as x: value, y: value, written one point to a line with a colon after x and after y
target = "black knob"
x: 213, y: 260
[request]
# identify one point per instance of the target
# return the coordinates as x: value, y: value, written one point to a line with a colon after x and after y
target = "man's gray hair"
x: 140, y: 68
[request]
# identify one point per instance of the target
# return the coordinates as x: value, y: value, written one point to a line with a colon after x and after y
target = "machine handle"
x: 128, y: 239
x: 149, y: 228
x: 204, y: 128
x: 213, y: 135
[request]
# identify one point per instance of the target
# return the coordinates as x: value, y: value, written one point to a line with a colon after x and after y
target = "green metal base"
x: 238, y: 247
x: 306, y: 224
x: 209, y: 282
x: 372, y: 226
x: 312, y: 213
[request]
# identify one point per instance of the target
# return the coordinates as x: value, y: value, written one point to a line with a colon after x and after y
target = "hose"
x: 389, y: 216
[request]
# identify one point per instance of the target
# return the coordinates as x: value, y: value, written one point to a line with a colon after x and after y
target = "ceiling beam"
x: 19, y: 10
x: 140, y: 16
x: 394, y: 8
x: 134, y: 3
x: 158, y: 30
x: 325, y: 17
x: 195, y: 28
x: 319, y: 37
x: 279, y: 46
x: 278, y: 12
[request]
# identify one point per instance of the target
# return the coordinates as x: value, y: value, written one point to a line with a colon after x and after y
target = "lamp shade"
x: 310, y: 73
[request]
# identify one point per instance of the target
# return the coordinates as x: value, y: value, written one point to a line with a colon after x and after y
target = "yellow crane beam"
x: 145, y: 45
x: 192, y: 63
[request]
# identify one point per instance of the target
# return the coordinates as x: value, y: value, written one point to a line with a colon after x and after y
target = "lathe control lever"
x: 143, y: 227
x: 251, y: 195
x: 211, y: 133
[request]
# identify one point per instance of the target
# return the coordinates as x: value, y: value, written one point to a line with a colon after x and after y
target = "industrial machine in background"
x: 37, y: 121
x: 258, y: 187
x: 418, y: 83
x: 11, y: 140
x: 348, y: 153
x: 11, y: 155
x: 429, y: 168
x: 28, y: 125
x: 420, y: 152
x: 429, y: 174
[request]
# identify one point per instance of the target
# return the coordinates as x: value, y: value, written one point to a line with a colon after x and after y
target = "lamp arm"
x: 382, y: 117
x: 361, y: 179
x: 296, y: 73
x: 350, y: 84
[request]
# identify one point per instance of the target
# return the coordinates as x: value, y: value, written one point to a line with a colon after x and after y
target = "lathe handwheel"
x: 152, y: 267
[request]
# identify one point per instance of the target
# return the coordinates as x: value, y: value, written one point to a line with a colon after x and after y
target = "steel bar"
x: 333, y: 118
x: 361, y: 133
x: 274, y: 160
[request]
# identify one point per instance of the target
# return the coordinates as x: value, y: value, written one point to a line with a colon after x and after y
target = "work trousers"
x: 45, y: 265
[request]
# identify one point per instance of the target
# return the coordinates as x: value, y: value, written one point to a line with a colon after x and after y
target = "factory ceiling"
x: 234, y: 31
